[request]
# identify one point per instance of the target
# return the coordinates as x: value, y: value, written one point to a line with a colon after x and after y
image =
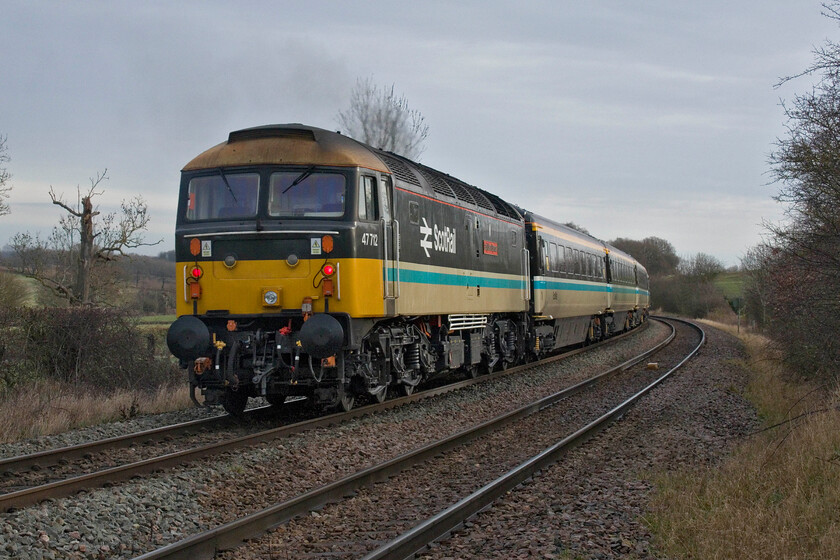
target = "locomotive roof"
x: 297, y: 144
x: 287, y: 144
x: 420, y: 178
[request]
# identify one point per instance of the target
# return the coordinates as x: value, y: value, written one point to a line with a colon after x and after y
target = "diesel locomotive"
x: 310, y: 264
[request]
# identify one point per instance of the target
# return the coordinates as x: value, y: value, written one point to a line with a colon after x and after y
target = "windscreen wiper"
x: 300, y: 178
x: 222, y: 174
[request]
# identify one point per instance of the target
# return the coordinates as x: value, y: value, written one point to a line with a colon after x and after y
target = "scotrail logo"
x: 425, y: 231
x: 444, y: 239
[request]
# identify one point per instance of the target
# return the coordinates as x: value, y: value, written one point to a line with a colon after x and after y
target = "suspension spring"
x: 510, y: 341
x: 412, y: 357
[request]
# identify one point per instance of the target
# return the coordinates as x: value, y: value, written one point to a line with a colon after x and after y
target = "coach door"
x: 389, y: 245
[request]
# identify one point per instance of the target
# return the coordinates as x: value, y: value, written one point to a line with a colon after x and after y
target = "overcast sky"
x: 632, y: 119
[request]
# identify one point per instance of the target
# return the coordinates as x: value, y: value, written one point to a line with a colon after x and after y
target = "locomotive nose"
x: 188, y: 338
x: 321, y: 336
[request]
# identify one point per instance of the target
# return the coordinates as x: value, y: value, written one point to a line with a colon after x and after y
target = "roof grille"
x: 398, y: 168
x: 461, y: 192
x: 437, y: 183
x: 446, y: 185
x: 501, y: 206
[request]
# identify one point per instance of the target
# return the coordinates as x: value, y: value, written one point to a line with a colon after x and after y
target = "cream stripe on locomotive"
x: 427, y: 289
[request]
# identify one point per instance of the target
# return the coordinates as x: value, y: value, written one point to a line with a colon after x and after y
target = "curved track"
x: 230, y: 535
x: 424, y: 533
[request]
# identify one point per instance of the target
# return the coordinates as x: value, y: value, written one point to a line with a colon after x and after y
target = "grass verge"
x: 778, y: 494
x: 48, y: 407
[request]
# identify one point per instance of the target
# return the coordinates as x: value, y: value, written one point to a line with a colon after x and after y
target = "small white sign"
x: 206, y: 248
x: 315, y: 245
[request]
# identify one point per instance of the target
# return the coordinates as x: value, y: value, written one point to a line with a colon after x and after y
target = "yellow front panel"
x: 357, y: 286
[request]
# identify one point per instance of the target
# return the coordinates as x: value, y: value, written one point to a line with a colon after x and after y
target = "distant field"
x: 730, y: 283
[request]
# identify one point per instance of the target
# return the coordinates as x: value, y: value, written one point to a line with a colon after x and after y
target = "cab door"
x: 389, y: 254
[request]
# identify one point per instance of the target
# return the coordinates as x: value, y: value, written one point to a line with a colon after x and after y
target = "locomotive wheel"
x: 472, y: 371
x: 234, y: 402
x: 346, y: 402
x: 379, y: 394
x: 413, y: 377
x: 406, y: 390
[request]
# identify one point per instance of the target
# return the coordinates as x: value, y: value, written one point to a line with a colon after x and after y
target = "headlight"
x: 270, y: 297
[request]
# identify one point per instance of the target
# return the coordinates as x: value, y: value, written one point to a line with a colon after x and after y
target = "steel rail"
x: 54, y: 456
x: 416, y: 539
x: 66, y: 487
x: 230, y: 535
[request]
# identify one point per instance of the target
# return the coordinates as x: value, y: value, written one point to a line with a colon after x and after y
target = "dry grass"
x: 48, y: 408
x: 778, y: 495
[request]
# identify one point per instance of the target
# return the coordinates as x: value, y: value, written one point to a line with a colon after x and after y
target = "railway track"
x: 379, y: 520
x: 51, y: 474
x: 421, y: 535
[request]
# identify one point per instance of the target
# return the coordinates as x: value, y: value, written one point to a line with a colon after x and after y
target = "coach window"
x: 544, y: 247
x: 553, y: 257
x: 561, y: 259
x: 367, y: 198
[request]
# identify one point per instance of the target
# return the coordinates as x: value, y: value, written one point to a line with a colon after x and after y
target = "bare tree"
x: 757, y: 265
x: 701, y: 266
x: 5, y: 188
x: 803, y: 313
x: 84, y: 238
x: 377, y: 116
x: 657, y: 255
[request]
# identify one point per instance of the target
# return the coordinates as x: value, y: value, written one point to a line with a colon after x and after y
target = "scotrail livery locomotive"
x: 311, y: 264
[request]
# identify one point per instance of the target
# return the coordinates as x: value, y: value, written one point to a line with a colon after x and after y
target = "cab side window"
x: 367, y: 198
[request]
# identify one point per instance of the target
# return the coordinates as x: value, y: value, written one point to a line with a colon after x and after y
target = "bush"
x: 87, y: 347
x: 691, y: 296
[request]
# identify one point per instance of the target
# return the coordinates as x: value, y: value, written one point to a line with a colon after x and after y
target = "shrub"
x: 96, y: 348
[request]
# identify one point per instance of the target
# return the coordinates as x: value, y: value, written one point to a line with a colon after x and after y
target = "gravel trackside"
x: 592, y: 503
x: 128, y: 519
